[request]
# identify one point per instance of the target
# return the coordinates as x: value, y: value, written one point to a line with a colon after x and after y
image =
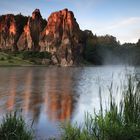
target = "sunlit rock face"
x: 25, y: 40
x: 29, y: 39
x: 7, y: 32
x: 61, y: 35
x: 11, y: 28
x: 63, y: 38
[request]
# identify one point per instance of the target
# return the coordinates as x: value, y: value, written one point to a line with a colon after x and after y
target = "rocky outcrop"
x: 29, y: 39
x: 11, y: 28
x: 7, y: 32
x: 61, y: 35
x: 63, y: 38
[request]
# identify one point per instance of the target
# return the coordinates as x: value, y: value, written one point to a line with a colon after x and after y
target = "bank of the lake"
x: 24, y: 58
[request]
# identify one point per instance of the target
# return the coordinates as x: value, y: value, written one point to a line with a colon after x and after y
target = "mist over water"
x: 119, y: 55
x: 50, y: 96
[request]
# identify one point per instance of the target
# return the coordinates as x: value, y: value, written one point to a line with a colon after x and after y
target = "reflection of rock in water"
x: 27, y: 92
x: 36, y: 98
x: 12, y: 92
x: 60, y: 106
x: 52, y: 90
x: 36, y: 90
x: 59, y: 99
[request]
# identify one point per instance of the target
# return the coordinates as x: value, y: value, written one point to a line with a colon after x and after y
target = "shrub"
x: 2, y: 58
x: 33, y: 54
x: 9, y: 57
x: 10, y: 61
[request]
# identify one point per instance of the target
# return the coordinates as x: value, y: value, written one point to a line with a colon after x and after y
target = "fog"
x: 119, y: 55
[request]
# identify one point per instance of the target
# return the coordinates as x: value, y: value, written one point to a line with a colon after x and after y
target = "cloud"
x: 124, y: 23
x: 126, y: 29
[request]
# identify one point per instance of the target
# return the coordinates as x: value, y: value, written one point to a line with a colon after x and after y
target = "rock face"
x: 11, y: 28
x: 63, y: 38
x: 61, y: 35
x: 7, y: 32
x: 29, y: 39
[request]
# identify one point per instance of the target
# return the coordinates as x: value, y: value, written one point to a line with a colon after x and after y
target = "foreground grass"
x: 13, y: 127
x: 118, y: 122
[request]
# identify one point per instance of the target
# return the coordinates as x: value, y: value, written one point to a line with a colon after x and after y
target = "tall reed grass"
x: 13, y: 127
x: 118, y: 122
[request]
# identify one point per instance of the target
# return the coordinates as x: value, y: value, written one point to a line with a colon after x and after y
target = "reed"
x: 118, y: 121
x: 13, y: 127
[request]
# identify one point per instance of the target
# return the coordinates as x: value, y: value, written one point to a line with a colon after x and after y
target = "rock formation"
x: 7, y: 32
x: 61, y: 35
x: 29, y: 39
x: 11, y: 28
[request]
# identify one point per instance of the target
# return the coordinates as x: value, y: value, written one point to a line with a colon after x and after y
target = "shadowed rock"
x: 29, y: 39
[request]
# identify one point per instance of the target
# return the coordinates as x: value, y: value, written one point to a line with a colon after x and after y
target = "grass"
x: 11, y: 60
x: 27, y: 58
x: 13, y: 127
x: 118, y: 122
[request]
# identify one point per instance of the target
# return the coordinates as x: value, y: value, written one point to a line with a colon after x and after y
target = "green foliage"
x: 10, y: 61
x: 138, y: 43
x: 9, y: 57
x: 24, y: 58
x: 91, y: 50
x: 35, y: 54
x: 2, y: 59
x: 118, y: 122
x: 99, y: 48
x: 13, y: 127
x: 108, y: 41
x: 107, y: 50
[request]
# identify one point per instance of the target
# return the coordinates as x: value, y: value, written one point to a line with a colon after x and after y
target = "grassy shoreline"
x: 15, y: 65
x: 31, y: 59
x: 23, y: 59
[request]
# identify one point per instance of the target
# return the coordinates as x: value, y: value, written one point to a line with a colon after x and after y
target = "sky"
x: 120, y: 18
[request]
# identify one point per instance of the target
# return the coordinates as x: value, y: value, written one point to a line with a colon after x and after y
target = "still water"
x: 50, y: 96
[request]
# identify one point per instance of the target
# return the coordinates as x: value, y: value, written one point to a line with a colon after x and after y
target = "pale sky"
x: 120, y: 18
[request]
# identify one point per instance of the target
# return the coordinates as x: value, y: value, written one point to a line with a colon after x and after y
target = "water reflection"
x: 12, y: 92
x: 59, y: 96
x: 45, y: 95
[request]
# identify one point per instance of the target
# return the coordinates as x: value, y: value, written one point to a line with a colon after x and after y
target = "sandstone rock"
x: 7, y: 32
x: 29, y: 40
x: 54, y: 60
x: 62, y: 37
x: 46, y: 61
x: 25, y: 41
x: 11, y: 28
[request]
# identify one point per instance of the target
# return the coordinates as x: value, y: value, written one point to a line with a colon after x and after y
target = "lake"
x: 52, y: 95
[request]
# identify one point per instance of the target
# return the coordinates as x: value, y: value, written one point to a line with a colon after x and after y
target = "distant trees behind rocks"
x: 107, y: 50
